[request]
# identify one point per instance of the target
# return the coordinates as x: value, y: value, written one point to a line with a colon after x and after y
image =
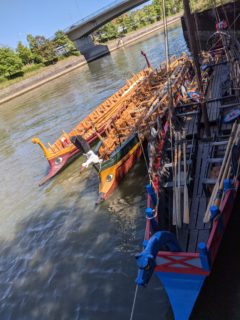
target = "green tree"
x: 42, y: 48
x: 24, y: 53
x: 10, y: 63
x: 45, y: 48
x: 34, y: 48
x: 62, y: 40
x: 157, y: 5
x: 150, y: 13
x: 109, y: 32
x: 32, y: 43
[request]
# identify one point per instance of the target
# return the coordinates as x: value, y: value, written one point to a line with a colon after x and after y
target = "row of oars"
x: 180, y: 151
x: 224, y: 173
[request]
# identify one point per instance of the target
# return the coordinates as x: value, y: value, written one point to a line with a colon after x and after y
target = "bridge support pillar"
x: 89, y: 49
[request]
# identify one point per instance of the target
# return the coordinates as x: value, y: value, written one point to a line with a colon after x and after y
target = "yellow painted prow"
x: 42, y: 146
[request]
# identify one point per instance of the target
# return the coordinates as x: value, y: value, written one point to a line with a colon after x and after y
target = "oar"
x: 178, y: 200
x: 207, y: 216
x: 186, y: 202
x: 174, y: 169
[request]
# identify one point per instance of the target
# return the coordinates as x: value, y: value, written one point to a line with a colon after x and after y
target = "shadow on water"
x: 220, y: 297
x: 76, y: 260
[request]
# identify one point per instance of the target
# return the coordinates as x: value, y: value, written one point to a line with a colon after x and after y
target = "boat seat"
x: 208, y: 181
x: 185, y: 114
x: 215, y: 160
x: 228, y: 106
x: 219, y: 143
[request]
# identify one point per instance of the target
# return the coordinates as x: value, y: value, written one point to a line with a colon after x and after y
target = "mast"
x: 193, y: 46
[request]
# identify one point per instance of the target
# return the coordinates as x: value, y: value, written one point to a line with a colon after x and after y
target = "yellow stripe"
x: 105, y: 186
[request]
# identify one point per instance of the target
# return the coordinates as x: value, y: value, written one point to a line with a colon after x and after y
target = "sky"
x: 41, y: 17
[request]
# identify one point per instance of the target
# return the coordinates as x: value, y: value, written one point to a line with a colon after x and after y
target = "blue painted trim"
x: 227, y: 185
x: 204, y: 256
x: 152, y: 194
x: 149, y: 215
x: 182, y: 291
x: 214, y: 210
x: 146, y: 259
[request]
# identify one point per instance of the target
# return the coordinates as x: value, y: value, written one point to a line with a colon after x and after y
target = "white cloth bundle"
x: 91, y: 158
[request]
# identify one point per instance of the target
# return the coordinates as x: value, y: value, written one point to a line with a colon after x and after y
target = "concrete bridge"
x: 81, y: 31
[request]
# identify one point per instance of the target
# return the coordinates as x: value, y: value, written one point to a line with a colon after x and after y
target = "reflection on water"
x: 61, y: 256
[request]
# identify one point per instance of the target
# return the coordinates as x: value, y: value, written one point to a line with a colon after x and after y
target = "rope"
x: 233, y: 23
x: 153, y: 217
x: 145, y: 158
x: 134, y: 302
x: 218, y: 20
x: 225, y: 13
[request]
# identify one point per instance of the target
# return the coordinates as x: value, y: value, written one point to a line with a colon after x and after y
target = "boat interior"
x: 204, y: 157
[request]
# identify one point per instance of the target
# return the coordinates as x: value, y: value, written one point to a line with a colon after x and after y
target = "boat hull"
x: 63, y: 151
x: 183, y: 274
x: 114, y: 169
x: 58, y: 163
x: 182, y: 291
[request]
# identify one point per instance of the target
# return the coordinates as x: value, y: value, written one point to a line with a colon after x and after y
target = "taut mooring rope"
x: 134, y: 302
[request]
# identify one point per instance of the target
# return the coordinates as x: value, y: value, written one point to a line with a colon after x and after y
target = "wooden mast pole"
x: 193, y: 46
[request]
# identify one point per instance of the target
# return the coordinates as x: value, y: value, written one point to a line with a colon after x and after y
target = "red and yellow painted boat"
x: 62, y: 151
x: 117, y: 166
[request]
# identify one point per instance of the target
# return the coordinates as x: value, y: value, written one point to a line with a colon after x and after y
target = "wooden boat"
x: 62, y: 151
x: 122, y: 145
x: 191, y: 198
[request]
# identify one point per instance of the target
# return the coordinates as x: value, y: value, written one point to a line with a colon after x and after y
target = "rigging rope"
x: 221, y: 36
x: 134, y: 302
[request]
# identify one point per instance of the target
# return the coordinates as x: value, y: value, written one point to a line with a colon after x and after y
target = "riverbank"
x: 65, y: 66
x: 143, y: 32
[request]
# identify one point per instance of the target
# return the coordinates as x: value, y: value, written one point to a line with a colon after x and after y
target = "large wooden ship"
x: 195, y: 186
x: 125, y: 137
x: 62, y: 151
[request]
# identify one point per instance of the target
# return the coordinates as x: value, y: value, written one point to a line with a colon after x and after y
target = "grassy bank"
x: 31, y: 70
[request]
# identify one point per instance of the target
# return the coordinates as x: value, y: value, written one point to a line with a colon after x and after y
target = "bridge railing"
x: 95, y: 14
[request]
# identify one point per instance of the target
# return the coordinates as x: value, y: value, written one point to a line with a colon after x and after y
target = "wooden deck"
x: 207, y: 155
x: 216, y: 89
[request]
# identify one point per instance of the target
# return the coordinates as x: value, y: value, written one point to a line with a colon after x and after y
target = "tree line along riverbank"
x: 52, y: 72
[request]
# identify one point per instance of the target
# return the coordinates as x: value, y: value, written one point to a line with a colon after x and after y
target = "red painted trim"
x: 156, y: 163
x: 187, y: 267
x: 190, y: 255
x: 196, y: 271
x: 66, y: 158
x: 226, y: 208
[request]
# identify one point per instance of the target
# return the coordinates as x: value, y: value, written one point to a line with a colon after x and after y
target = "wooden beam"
x: 193, y: 46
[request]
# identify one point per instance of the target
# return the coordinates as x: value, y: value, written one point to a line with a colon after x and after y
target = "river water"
x: 61, y: 257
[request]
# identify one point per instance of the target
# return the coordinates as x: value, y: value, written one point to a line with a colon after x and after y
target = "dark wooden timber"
x: 193, y: 41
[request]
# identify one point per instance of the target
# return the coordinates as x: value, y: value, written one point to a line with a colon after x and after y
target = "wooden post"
x: 193, y: 46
